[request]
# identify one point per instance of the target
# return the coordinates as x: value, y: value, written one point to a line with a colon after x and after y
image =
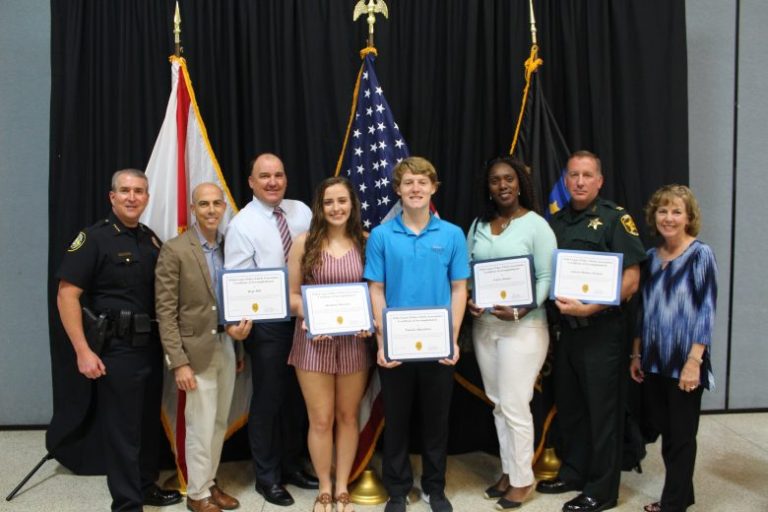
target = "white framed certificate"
x: 591, y: 277
x: 505, y: 282
x: 336, y: 309
x: 260, y: 295
x: 418, y: 334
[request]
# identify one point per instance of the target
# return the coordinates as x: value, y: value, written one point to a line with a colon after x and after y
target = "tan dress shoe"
x: 203, y: 505
x: 222, y: 499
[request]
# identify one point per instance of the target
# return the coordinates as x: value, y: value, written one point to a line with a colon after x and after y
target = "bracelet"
x: 634, y: 356
x: 516, y: 314
x: 697, y: 359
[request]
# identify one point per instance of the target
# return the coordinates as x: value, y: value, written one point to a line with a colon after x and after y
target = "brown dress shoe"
x: 203, y: 505
x: 222, y: 499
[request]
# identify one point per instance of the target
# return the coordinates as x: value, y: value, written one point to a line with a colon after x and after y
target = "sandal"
x: 323, y: 503
x: 343, y: 503
x: 653, y: 507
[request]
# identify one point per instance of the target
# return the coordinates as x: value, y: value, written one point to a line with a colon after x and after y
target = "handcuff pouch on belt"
x: 142, y: 329
x: 135, y: 329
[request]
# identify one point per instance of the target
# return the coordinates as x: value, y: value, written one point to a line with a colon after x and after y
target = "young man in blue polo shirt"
x: 416, y: 259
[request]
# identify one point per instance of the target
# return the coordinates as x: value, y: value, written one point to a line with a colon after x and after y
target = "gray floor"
x: 731, y: 475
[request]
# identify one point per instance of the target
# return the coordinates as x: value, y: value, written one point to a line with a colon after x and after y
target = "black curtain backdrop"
x: 278, y: 75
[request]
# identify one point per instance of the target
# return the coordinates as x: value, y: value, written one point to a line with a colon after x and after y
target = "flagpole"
x: 531, y: 66
x: 177, y: 31
x: 368, y: 489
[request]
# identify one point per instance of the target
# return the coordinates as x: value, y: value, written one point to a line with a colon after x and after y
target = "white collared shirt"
x: 253, y: 238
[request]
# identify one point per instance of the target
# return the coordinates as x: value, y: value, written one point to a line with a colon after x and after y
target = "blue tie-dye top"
x: 678, y: 310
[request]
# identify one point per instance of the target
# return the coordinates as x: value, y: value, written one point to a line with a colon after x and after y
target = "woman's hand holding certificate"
x: 337, y: 309
x: 504, y: 282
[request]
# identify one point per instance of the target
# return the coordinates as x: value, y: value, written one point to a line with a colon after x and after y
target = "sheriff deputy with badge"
x: 110, y: 269
x: 591, y: 354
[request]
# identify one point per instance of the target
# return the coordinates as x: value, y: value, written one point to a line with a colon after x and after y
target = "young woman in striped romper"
x: 332, y: 370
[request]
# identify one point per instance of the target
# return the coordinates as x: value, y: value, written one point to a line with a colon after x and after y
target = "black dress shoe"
x: 275, y: 494
x: 556, y: 486
x: 583, y: 503
x: 157, y: 497
x: 301, y: 479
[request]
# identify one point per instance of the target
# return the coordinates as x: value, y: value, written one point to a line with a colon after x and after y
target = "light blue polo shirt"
x: 416, y: 270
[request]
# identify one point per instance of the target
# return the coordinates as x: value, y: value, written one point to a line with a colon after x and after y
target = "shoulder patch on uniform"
x: 77, y: 242
x: 629, y: 225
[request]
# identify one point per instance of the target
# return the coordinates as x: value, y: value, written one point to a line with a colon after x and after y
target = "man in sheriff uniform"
x: 590, y: 359
x: 111, y: 267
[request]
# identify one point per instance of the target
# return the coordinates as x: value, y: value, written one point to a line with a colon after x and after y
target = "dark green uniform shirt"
x: 601, y: 227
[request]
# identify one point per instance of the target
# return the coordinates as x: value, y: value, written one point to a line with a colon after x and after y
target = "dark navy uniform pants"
x: 129, y: 398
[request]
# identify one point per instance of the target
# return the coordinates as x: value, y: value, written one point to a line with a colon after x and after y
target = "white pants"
x: 510, y: 356
x: 205, y: 415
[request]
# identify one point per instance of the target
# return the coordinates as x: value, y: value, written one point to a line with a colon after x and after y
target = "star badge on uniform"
x: 595, y: 223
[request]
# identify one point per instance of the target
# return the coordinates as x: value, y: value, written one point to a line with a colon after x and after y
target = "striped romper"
x: 341, y: 354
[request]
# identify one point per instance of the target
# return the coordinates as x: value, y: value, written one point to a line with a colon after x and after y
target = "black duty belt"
x: 579, y: 322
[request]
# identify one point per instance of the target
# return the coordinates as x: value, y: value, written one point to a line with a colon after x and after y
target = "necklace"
x: 508, y: 220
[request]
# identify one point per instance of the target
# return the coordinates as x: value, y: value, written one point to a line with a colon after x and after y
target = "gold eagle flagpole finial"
x: 177, y: 31
x: 373, y: 8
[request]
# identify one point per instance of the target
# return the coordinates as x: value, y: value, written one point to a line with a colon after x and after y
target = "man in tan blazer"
x: 197, y: 350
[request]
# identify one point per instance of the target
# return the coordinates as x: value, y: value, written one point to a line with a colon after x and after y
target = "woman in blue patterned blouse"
x: 672, y: 354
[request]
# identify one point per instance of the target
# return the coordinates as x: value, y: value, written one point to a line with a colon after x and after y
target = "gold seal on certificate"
x: 260, y: 295
x: 504, y: 282
x: 591, y: 277
x: 417, y: 334
x: 336, y: 309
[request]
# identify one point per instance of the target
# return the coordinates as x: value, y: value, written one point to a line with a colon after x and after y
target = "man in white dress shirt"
x: 260, y: 236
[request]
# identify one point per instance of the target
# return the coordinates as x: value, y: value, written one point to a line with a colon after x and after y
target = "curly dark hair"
x: 318, y: 227
x: 488, y: 209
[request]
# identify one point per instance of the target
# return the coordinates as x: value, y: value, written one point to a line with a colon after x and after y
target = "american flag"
x: 372, y: 148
